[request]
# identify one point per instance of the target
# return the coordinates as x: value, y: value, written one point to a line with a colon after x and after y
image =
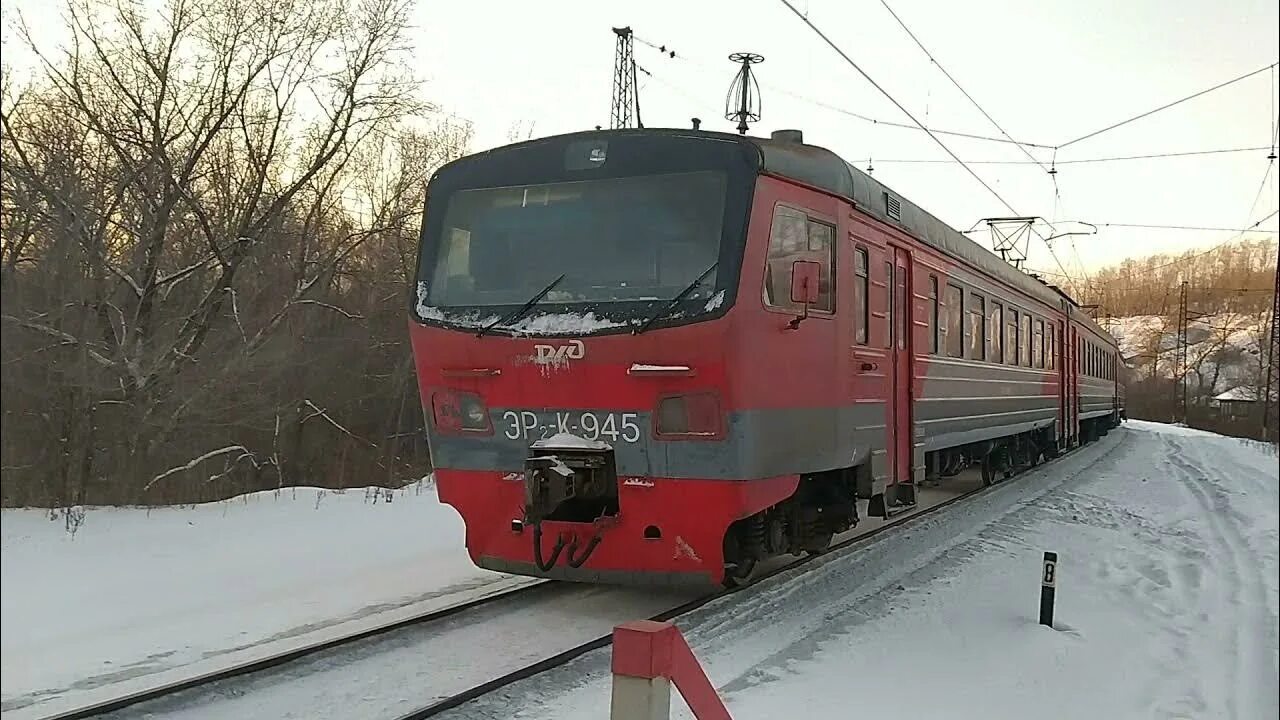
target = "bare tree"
x: 197, y: 238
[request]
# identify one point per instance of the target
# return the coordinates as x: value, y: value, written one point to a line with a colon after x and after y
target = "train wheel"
x: 740, y: 574
x: 818, y: 544
x: 988, y: 470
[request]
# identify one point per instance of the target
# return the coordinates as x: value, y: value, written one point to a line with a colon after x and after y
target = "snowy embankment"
x: 1167, y: 604
x: 137, y: 595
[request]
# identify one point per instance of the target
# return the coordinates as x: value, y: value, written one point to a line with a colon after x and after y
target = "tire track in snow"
x: 1251, y: 673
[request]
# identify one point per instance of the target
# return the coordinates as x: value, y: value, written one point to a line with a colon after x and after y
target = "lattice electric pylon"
x: 626, y: 96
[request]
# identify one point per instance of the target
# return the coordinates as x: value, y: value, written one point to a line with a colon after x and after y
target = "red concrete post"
x: 647, y: 657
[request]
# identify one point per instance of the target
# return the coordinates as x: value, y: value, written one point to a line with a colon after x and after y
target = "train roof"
x: 786, y: 154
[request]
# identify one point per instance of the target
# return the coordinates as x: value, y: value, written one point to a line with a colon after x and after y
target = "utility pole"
x: 1182, y: 347
x: 1270, y: 401
x: 626, y: 96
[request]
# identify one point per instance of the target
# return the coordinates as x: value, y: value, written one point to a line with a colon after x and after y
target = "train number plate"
x: 605, y: 427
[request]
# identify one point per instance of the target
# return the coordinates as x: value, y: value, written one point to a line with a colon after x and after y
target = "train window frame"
x: 995, y: 332
x: 1024, y: 341
x: 955, y: 321
x: 861, y: 295
x: 1011, y: 344
x: 976, y: 337
x: 934, y: 346
x: 1037, y: 344
x: 827, y: 264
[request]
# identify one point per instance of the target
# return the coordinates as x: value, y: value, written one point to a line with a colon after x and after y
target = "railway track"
x: 441, y: 706
x: 565, y: 656
x: 278, y: 661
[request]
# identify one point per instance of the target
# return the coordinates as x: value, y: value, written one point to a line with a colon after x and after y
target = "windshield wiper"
x: 514, y: 316
x: 675, y: 300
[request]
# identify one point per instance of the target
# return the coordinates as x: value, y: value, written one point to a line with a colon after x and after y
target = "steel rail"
x: 163, y: 690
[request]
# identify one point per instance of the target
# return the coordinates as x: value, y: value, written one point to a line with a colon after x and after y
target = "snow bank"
x: 137, y: 591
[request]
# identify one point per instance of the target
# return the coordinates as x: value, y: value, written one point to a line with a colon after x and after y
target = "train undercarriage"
x: 825, y: 504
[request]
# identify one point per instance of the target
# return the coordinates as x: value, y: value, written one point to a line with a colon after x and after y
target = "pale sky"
x: 1048, y: 71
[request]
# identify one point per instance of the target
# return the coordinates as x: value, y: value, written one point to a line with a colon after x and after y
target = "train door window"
x: 933, y: 314
x: 904, y: 307
x: 888, y: 304
x: 1011, y: 338
x: 977, y: 330
x: 1051, y: 349
x: 1038, y: 343
x: 995, y: 330
x: 955, y: 315
x: 862, y: 300
x: 795, y: 237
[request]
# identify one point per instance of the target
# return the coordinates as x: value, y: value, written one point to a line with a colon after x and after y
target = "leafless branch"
x: 317, y: 412
x: 191, y: 464
x: 334, y: 308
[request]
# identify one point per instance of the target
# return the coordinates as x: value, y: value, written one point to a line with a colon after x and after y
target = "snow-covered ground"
x: 1167, y: 604
x: 136, y: 595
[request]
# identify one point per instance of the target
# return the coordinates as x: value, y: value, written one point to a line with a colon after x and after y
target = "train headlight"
x: 690, y: 416
x: 458, y: 411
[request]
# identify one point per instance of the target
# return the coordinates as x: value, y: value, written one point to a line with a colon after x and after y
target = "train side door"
x: 1064, y: 387
x: 1073, y: 388
x: 899, y: 408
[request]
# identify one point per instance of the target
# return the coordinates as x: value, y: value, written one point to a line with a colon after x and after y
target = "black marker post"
x: 1048, y: 584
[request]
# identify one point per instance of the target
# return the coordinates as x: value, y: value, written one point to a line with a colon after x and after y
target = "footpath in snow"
x: 136, y: 596
x: 1167, y: 604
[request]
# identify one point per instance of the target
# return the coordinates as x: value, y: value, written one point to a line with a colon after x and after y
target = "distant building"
x: 1237, y: 402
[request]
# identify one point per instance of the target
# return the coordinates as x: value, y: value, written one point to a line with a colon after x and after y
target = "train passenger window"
x: 793, y: 237
x: 995, y: 330
x: 1051, y: 349
x: 1024, y: 341
x: 955, y: 314
x: 1037, y: 344
x: 862, y: 301
x: 977, y: 330
x: 933, y: 314
x: 888, y: 304
x: 1011, y: 338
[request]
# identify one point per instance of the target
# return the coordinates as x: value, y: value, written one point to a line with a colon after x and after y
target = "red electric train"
x: 659, y: 356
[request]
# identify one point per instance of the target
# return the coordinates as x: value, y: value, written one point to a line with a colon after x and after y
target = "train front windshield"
x: 613, y: 225
x: 614, y: 240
